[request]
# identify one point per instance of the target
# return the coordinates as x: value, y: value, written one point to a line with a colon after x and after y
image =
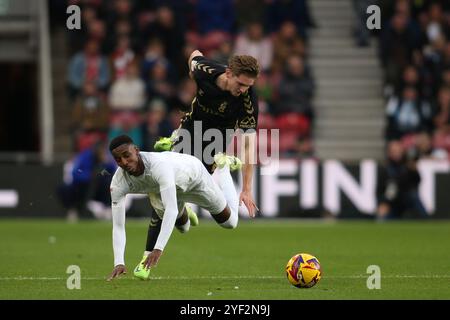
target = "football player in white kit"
x: 169, y: 179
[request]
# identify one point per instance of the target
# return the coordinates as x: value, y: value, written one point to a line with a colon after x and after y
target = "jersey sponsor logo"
x: 209, y: 110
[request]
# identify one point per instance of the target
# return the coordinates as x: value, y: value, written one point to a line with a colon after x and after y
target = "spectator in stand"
x: 286, y: 42
x: 127, y: 99
x: 170, y: 32
x: 122, y: 28
x: 120, y: 9
x: 446, y: 59
x: 122, y: 56
x: 121, y: 20
x: 407, y: 115
x: 88, y: 65
x: 128, y: 92
x: 399, y: 39
x: 78, y: 39
x: 215, y: 16
x: 175, y: 116
x: 157, y: 124
x: 97, y: 32
x: 223, y: 53
x: 409, y: 78
x: 127, y: 123
x: 442, y: 120
x: 434, y: 55
x: 185, y: 93
x: 153, y: 53
x: 160, y: 84
x: 362, y: 33
x: 249, y: 11
x: 89, y: 117
x: 215, y: 24
x: 437, y: 26
x: 445, y: 78
x: 296, y: 11
x: 252, y: 42
x: 90, y: 176
x: 442, y: 117
x: 423, y: 148
x: 265, y: 90
x: 296, y: 89
x: 398, y: 185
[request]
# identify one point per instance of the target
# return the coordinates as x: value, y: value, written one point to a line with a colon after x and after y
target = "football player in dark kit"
x: 225, y: 101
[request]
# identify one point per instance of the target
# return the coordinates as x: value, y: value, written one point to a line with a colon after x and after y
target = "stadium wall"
x: 290, y: 188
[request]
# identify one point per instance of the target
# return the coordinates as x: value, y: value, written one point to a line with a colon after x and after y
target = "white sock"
x: 229, y: 191
x: 146, y: 253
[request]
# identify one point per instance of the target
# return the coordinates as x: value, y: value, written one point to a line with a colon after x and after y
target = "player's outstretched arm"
x: 118, y: 235
x: 246, y: 195
x: 169, y: 200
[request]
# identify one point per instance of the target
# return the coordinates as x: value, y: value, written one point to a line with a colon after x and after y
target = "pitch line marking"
x: 445, y: 276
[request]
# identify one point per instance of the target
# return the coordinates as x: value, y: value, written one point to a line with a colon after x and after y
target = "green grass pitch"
x: 214, y: 263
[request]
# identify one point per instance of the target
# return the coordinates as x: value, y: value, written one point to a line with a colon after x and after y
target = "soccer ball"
x: 303, y: 270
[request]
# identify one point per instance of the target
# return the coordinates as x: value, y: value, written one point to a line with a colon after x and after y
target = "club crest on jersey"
x: 222, y: 107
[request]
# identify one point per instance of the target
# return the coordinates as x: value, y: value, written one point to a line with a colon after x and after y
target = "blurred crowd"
x: 414, y: 51
x: 128, y: 66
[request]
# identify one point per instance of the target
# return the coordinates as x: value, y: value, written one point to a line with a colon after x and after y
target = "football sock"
x: 183, y: 223
x: 229, y: 191
x: 154, y: 228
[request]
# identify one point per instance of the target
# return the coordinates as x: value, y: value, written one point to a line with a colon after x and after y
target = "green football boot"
x: 140, y: 271
x: 192, y: 216
x: 166, y: 143
x: 222, y: 160
x: 163, y: 144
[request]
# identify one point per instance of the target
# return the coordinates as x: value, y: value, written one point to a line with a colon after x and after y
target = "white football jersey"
x: 170, y: 179
x: 162, y: 169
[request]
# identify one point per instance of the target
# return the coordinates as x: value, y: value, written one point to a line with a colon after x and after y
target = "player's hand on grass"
x: 152, y: 258
x: 117, y: 271
x: 247, y: 198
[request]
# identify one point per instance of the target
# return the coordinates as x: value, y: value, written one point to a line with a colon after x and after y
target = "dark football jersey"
x: 217, y: 108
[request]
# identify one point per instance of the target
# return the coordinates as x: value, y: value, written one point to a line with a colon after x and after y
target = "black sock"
x: 154, y: 228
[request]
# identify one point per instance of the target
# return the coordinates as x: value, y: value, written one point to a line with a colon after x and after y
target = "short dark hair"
x: 119, y: 140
